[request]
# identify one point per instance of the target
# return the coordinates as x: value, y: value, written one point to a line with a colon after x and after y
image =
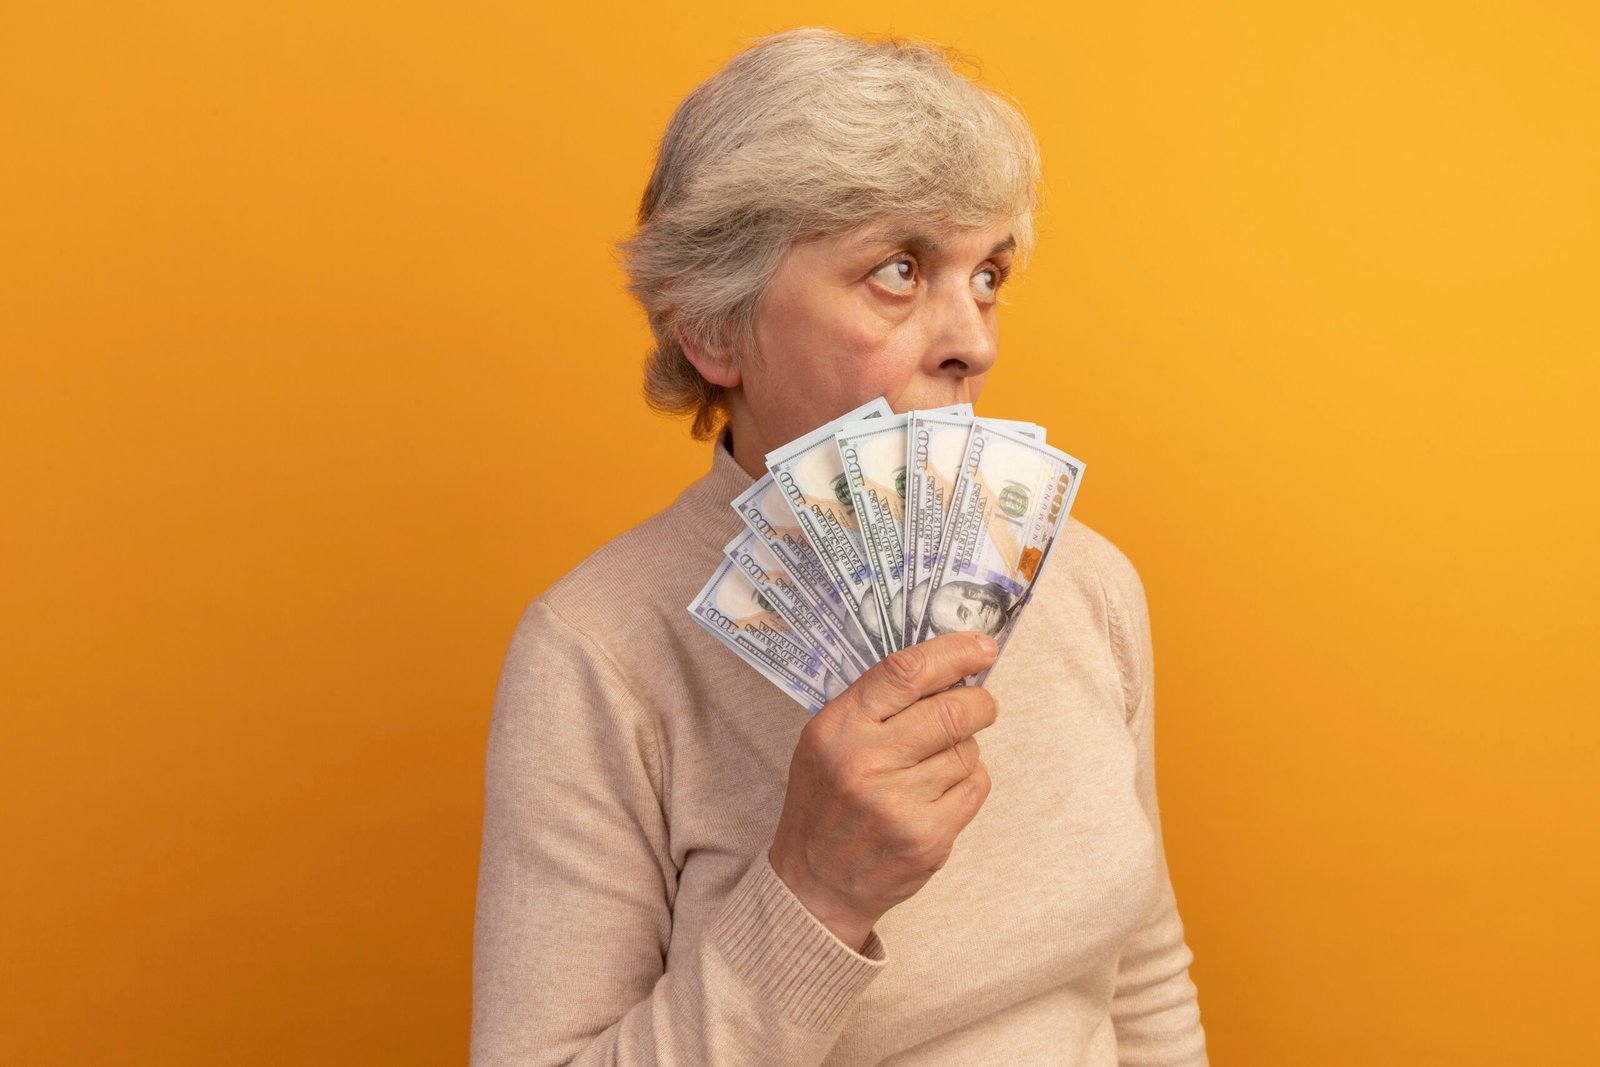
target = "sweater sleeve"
x: 1154, y: 1008
x: 576, y: 888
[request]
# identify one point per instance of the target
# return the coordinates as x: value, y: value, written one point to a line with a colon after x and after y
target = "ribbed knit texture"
x: 772, y: 942
x: 627, y: 913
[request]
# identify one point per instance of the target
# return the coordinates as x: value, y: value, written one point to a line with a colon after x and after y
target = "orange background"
x: 317, y: 366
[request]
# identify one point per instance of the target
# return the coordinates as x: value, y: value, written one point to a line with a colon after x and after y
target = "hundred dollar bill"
x: 766, y: 512
x: 874, y: 454
x: 1010, y: 500
x: 811, y: 475
x: 936, y: 441
x: 773, y: 581
x: 731, y: 609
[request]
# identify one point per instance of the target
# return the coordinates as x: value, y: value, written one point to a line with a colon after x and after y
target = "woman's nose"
x: 966, y: 342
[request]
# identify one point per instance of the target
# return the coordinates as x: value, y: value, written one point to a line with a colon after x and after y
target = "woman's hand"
x: 883, y: 779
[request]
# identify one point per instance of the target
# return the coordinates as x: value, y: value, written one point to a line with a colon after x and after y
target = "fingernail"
x: 986, y: 643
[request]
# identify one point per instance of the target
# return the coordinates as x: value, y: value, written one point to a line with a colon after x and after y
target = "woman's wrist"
x: 845, y: 922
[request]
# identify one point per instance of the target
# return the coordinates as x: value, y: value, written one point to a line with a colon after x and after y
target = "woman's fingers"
x: 940, y: 722
x: 906, y: 676
x: 959, y: 804
x: 935, y: 776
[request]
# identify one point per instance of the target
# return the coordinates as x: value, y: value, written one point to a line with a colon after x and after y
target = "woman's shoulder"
x: 627, y: 601
x: 1088, y: 560
x: 1091, y: 594
x: 644, y: 566
x: 641, y: 582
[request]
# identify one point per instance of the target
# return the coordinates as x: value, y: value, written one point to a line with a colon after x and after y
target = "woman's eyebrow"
x: 903, y: 239
x: 924, y: 242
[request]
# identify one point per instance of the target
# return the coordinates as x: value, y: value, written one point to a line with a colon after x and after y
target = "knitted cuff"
x: 787, y: 955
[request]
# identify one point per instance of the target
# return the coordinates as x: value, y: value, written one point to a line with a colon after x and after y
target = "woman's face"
x: 893, y: 309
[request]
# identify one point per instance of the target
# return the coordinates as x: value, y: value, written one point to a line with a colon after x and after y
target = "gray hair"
x: 807, y: 133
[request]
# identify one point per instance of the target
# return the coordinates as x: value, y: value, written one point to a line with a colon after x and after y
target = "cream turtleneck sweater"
x: 627, y: 913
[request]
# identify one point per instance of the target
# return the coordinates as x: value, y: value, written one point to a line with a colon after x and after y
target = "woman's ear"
x: 716, y: 363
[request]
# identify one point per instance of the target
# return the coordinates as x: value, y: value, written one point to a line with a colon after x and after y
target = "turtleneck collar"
x: 706, y: 503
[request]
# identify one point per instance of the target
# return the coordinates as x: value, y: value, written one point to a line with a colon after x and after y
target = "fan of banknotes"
x: 879, y: 530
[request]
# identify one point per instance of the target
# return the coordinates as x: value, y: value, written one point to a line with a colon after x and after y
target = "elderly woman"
x: 681, y: 866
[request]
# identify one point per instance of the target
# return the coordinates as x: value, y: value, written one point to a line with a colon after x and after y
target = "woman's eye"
x: 897, y: 275
x: 986, y: 283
